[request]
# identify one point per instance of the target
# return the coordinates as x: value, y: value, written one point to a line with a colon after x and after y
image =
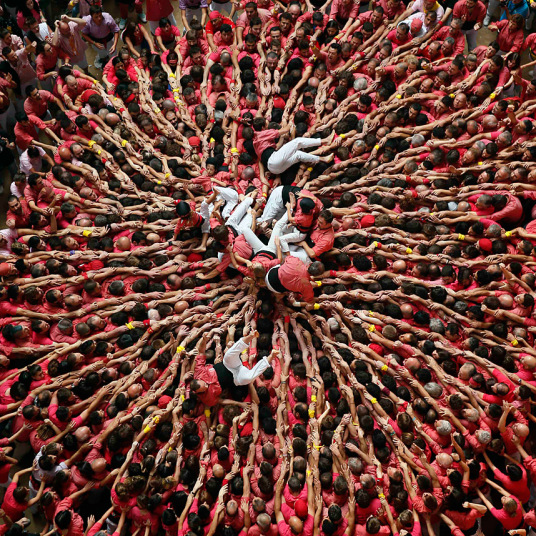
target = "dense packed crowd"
x: 268, y: 270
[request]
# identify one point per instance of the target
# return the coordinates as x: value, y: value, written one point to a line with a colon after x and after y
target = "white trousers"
x: 290, y: 234
x: 291, y: 154
x: 256, y: 244
x: 233, y: 363
x: 205, y: 209
x: 300, y: 253
x: 230, y: 197
x: 274, y: 208
x: 240, y: 219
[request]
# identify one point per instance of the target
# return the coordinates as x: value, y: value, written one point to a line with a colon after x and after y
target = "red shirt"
x: 38, y: 107
x: 391, y: 12
x: 341, y: 11
x: 22, y: 219
x: 508, y: 522
x: 83, y: 84
x: 24, y: 135
x: 264, y: 140
x: 294, y: 276
x: 509, y: 40
x: 11, y: 507
x: 323, y: 240
x: 208, y: 374
x: 477, y: 15
x: 209, y: 28
x: 459, y: 44
x: 191, y: 221
x: 76, y: 528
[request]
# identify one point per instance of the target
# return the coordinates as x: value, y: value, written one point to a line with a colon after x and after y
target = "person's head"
x: 96, y: 14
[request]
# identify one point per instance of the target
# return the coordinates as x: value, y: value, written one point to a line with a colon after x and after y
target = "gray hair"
x: 494, y: 230
x: 443, y: 427
x: 360, y: 84
x: 418, y: 140
x: 436, y: 326
x: 433, y: 389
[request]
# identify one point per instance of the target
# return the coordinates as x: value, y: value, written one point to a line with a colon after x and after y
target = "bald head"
x: 98, y: 465
x: 65, y: 154
x: 82, y: 434
x: 123, y: 243
x: 112, y: 119
x: 64, y: 29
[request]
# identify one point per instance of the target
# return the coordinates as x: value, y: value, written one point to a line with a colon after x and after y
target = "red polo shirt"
x: 38, y: 107
x: 294, y: 276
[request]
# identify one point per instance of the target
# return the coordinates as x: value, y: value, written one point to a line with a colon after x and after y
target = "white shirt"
x: 420, y: 16
x: 15, y: 190
x: 10, y: 235
x: 418, y: 5
x: 27, y: 163
x: 39, y: 474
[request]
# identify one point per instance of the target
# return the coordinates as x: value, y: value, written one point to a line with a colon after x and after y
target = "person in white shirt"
x: 7, y: 237
x: 31, y: 160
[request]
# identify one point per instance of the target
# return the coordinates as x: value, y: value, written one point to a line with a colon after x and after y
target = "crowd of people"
x: 269, y: 270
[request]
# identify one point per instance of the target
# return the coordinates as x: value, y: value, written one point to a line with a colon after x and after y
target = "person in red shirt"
x: 37, y: 102
x: 294, y: 276
x: 332, y: 58
x: 511, y: 36
x: 16, y: 498
x: 26, y: 133
x: 167, y: 36
x: 321, y: 238
x: 213, y: 28
x: 73, y: 88
x: 344, y: 12
x: 66, y: 520
x: 18, y: 212
x: 471, y: 13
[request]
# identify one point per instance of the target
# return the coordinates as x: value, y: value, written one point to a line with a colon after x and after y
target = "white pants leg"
x: 245, y: 223
x: 291, y: 238
x: 291, y: 154
x: 239, y: 213
x: 253, y: 240
x: 230, y: 197
x: 233, y: 362
x: 287, y: 233
x: 276, y: 232
x: 300, y: 253
x: 205, y: 210
x: 274, y: 205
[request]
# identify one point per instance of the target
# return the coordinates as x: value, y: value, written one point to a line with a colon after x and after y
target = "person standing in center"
x: 101, y: 32
x: 193, y: 8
